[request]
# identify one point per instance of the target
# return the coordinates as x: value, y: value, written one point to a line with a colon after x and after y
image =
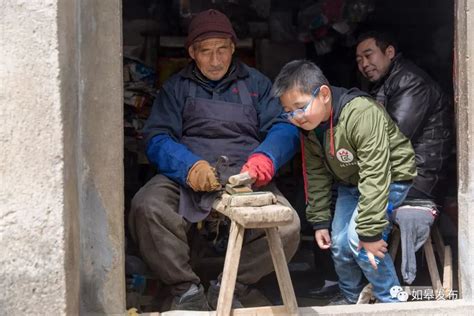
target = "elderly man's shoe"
x: 213, y: 296
x: 193, y: 299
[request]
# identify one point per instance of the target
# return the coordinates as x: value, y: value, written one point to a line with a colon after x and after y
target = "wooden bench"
x: 267, y: 217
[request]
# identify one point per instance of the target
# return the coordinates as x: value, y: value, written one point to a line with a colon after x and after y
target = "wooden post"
x: 439, y: 243
x: 394, y: 243
x: 231, y: 265
x: 281, y: 270
x: 432, y: 267
x: 447, y: 271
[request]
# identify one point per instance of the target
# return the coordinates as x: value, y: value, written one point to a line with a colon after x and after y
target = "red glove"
x: 260, y: 167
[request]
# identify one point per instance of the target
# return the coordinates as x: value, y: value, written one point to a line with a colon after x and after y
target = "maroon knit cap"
x: 209, y: 24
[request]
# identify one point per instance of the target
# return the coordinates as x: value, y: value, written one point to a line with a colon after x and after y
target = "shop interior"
x: 271, y: 33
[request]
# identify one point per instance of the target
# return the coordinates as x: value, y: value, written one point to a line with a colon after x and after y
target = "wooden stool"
x: 269, y: 218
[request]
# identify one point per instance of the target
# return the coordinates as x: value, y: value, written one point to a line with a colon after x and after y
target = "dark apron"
x: 212, y: 128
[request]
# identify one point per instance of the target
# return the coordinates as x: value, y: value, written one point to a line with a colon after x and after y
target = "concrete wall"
x: 101, y: 166
x: 464, y: 82
x: 39, y: 232
x: 61, y: 144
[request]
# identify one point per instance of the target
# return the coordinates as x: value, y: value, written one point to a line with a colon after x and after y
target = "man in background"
x: 416, y: 103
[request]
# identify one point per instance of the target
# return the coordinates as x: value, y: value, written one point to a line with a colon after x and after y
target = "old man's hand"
x: 202, y: 177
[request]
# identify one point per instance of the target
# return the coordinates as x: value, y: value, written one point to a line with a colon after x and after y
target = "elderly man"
x: 215, y: 106
x: 416, y: 103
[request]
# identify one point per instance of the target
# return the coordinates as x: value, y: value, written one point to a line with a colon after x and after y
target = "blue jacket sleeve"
x: 280, y: 138
x: 171, y: 158
x: 281, y: 143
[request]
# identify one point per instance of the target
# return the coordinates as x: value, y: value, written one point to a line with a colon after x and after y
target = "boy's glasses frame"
x: 300, y: 112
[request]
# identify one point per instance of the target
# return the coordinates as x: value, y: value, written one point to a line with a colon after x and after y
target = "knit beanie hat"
x: 209, y: 24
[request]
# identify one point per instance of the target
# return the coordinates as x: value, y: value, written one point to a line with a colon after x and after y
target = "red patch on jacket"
x: 252, y: 94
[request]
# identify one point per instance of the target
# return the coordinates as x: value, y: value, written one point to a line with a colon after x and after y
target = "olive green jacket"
x: 369, y: 152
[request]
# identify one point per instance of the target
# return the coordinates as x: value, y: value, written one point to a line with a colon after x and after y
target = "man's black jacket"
x: 424, y: 114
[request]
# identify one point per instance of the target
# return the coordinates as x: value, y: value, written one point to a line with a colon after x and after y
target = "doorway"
x: 159, y: 49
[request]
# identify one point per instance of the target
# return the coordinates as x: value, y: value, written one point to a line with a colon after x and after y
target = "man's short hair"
x: 382, y: 39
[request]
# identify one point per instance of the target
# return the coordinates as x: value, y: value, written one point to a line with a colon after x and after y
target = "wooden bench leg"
x: 281, y: 270
x: 432, y: 267
x: 231, y: 265
x: 438, y: 242
x: 394, y: 243
x: 447, y: 271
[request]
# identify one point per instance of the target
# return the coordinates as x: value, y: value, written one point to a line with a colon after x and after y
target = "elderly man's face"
x: 371, y: 61
x: 213, y: 56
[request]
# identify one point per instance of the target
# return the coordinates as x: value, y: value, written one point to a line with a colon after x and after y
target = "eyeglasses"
x: 298, y: 113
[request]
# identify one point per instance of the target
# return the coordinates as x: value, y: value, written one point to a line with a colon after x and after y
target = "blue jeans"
x: 349, y: 267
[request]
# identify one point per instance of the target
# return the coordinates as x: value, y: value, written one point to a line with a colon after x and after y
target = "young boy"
x: 349, y: 138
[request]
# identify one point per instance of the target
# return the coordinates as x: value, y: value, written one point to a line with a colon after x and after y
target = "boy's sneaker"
x: 339, y: 299
x: 193, y: 299
x: 213, y: 296
x: 329, y: 290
